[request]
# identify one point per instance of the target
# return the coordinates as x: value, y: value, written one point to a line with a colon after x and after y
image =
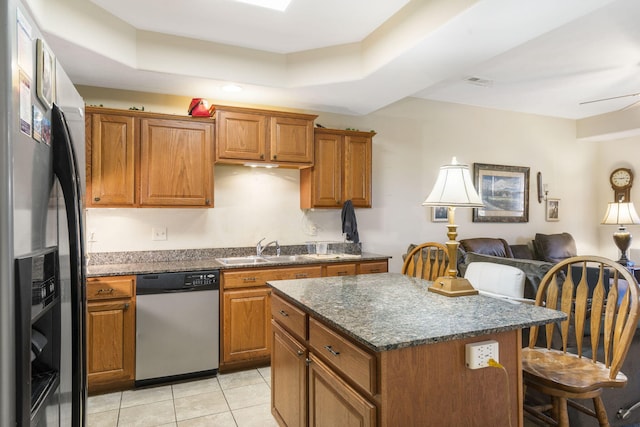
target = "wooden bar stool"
x: 583, y: 354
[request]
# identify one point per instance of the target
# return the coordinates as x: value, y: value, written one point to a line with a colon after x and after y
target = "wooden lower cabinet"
x: 332, y: 402
x: 246, y: 325
x: 245, y: 307
x: 289, y: 360
x: 306, y: 391
x: 110, y: 333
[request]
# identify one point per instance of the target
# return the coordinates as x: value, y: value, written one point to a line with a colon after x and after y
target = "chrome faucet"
x: 260, y: 248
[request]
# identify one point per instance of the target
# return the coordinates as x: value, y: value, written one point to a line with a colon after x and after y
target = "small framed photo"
x: 439, y: 214
x: 553, y: 210
x: 45, y: 74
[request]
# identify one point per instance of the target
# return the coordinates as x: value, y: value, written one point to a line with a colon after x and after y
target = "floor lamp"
x: 453, y: 189
x: 621, y: 214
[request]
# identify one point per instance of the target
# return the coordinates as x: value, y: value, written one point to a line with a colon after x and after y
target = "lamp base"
x: 452, y: 287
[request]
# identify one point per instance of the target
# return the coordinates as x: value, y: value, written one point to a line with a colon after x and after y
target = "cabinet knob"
x: 126, y: 306
x: 261, y: 156
x: 300, y: 352
x: 284, y: 313
x: 207, y: 202
x: 307, y: 361
x: 96, y: 199
x: 275, y: 157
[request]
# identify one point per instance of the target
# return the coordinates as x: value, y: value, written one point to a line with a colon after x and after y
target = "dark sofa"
x: 535, y: 259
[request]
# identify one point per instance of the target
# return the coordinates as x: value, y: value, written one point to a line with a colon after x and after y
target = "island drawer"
x: 292, y: 318
x: 100, y: 288
x: 373, y: 267
x: 353, y: 362
x: 259, y: 277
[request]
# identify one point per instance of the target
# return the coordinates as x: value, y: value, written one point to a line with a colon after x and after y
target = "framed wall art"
x: 552, y: 212
x: 504, y: 190
x: 45, y: 74
x: 439, y: 214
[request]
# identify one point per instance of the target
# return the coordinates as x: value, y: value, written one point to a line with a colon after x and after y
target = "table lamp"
x: 453, y: 189
x: 621, y: 214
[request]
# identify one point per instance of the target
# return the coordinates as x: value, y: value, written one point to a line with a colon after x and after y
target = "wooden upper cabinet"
x: 140, y: 159
x: 241, y: 136
x: 261, y: 136
x: 291, y: 140
x: 176, y: 163
x: 342, y: 170
x: 111, y: 156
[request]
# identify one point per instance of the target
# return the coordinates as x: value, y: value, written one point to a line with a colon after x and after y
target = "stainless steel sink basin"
x: 285, y: 258
x: 243, y: 260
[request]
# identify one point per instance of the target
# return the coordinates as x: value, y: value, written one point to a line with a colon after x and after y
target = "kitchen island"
x: 381, y: 350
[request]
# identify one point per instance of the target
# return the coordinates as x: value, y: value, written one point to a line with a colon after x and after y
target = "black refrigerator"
x: 42, y: 264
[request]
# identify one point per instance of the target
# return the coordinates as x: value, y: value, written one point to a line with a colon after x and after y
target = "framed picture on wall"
x: 439, y: 214
x: 504, y: 190
x: 552, y: 212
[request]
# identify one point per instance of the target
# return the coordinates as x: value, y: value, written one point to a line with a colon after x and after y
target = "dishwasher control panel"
x: 205, y: 278
x: 177, y: 282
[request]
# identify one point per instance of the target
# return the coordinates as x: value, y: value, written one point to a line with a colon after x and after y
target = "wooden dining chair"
x: 426, y: 261
x: 579, y: 357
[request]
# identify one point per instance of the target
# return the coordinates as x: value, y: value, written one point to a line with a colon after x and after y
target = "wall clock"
x: 621, y: 181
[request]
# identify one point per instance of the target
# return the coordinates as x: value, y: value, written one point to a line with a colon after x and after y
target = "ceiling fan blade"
x: 610, y: 98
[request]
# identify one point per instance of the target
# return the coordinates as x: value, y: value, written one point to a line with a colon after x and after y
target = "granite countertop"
x: 389, y: 311
x: 125, y: 263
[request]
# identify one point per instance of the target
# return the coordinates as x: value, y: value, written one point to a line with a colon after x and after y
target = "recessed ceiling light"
x: 232, y: 88
x: 280, y: 5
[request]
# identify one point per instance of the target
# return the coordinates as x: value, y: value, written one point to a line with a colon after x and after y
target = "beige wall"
x: 414, y: 137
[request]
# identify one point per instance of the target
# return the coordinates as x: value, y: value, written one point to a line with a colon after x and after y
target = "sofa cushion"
x: 554, y: 247
x: 533, y: 269
x: 487, y: 246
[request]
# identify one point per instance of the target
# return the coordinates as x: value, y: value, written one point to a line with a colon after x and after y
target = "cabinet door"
x: 111, y: 153
x: 332, y: 402
x: 327, y: 172
x: 246, y: 325
x: 288, y: 379
x: 357, y: 170
x: 291, y: 140
x: 110, y: 344
x: 241, y: 136
x: 176, y: 163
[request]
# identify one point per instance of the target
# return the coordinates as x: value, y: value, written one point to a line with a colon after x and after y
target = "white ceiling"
x: 357, y: 56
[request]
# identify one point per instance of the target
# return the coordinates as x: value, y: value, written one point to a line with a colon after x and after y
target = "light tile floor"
x: 239, y: 399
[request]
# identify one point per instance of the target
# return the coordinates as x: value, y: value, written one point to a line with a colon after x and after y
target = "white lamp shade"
x: 621, y: 214
x: 454, y: 188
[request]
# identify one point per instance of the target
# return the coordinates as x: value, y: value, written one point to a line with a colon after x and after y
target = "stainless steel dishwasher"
x: 177, y: 326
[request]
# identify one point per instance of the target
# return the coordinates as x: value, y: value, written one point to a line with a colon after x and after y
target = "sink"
x: 285, y: 258
x: 243, y: 260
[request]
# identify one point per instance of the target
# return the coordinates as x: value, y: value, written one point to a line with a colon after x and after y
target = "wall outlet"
x: 477, y: 354
x: 159, y: 233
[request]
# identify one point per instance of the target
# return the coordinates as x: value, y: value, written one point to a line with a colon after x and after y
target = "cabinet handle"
x: 342, y: 273
x: 300, y: 352
x: 374, y: 270
x: 261, y: 156
x: 331, y: 350
x: 337, y: 202
x: 96, y: 199
x: 249, y: 279
x: 284, y: 313
x: 301, y: 275
x: 207, y: 202
x: 106, y: 291
x: 126, y: 306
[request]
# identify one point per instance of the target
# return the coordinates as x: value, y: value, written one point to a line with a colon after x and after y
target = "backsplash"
x: 135, y: 257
